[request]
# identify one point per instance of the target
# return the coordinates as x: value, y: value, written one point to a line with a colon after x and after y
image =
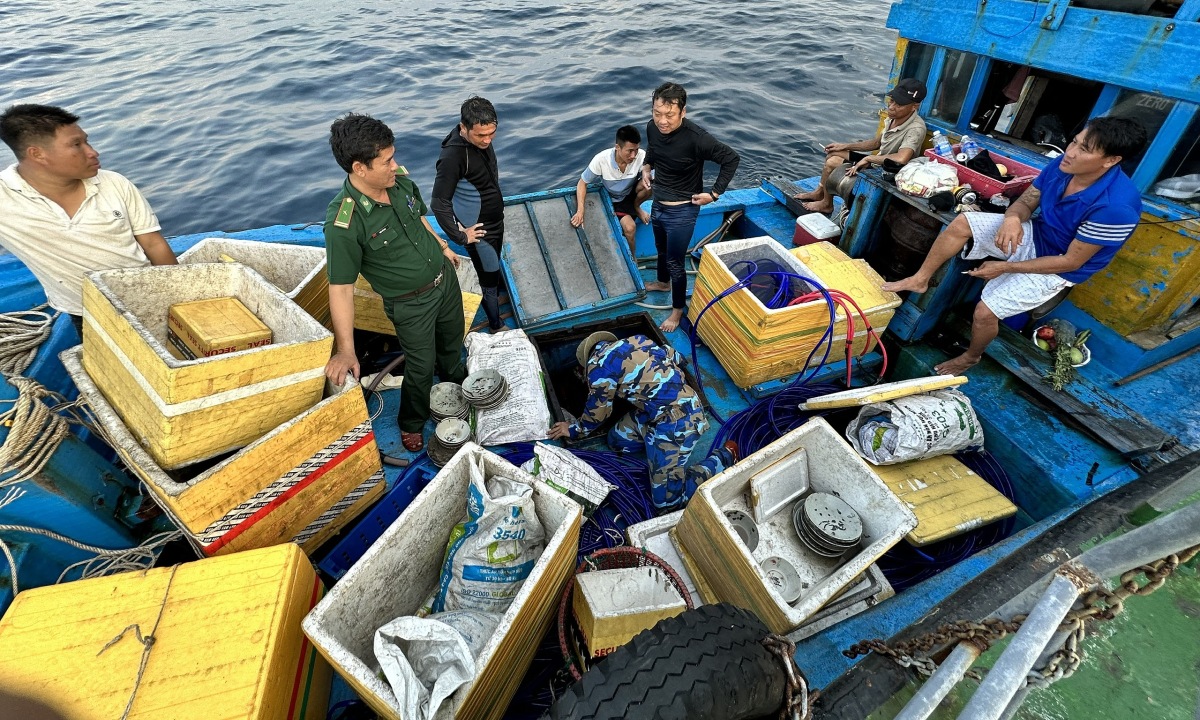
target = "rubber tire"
x: 704, y: 664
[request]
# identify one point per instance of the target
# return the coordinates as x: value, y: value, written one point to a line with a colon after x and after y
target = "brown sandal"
x: 412, y: 442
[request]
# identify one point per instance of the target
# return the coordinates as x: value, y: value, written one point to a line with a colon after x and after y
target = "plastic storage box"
x: 814, y: 227
x: 1022, y: 175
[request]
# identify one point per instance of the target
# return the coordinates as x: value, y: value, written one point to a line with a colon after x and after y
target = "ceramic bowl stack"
x: 450, y: 435
x: 446, y: 401
x: 485, y: 389
x: 827, y: 525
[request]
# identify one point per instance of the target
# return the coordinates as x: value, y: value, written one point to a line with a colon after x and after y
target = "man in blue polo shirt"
x: 1089, y: 208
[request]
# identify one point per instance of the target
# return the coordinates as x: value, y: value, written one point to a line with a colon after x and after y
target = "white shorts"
x: 1011, y: 293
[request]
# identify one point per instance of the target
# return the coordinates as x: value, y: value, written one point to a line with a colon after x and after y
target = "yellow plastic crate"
x: 227, y: 642
x: 185, y: 411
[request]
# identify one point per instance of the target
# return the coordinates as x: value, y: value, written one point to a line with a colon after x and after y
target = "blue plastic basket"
x: 355, y: 541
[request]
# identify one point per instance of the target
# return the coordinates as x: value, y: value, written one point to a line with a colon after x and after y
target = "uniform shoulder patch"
x: 345, y: 213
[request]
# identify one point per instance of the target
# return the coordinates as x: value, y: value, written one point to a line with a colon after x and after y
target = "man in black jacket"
x: 677, y: 151
x: 466, y: 197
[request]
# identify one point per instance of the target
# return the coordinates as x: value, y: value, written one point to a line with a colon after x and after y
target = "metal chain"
x: 797, y: 700
x: 1099, y: 605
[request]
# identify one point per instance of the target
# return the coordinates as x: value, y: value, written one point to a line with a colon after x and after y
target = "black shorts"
x: 626, y: 205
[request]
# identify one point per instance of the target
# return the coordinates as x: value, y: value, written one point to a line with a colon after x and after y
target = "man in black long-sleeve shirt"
x: 677, y: 151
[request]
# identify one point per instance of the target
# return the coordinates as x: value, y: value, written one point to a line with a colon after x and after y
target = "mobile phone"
x: 856, y: 156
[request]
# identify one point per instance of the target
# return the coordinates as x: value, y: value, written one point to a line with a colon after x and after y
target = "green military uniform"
x: 394, y: 251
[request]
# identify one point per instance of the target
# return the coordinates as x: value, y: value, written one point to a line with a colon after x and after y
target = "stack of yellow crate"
x: 216, y: 638
x: 754, y: 343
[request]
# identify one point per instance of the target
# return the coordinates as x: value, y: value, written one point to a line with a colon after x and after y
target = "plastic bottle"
x: 941, y: 145
x: 969, y: 146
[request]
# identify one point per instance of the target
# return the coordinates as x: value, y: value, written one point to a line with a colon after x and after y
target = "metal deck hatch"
x: 555, y: 271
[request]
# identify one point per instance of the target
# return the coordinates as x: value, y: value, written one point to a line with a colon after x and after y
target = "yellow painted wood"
x: 214, y: 327
x: 946, y: 496
x: 755, y: 344
x: 884, y: 392
x: 369, y: 315
x: 228, y: 644
x: 176, y: 381
x: 1152, y: 280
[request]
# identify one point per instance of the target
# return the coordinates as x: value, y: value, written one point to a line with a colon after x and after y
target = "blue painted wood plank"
x: 933, y: 80
x: 970, y: 106
x: 541, y: 241
x: 1178, y: 121
x: 572, y: 208
x: 1140, y: 52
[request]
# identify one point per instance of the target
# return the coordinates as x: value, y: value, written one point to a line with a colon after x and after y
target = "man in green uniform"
x: 376, y: 226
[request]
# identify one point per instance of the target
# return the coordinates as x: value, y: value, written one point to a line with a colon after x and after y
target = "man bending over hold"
x: 667, y: 418
x: 62, y: 215
x: 1089, y: 208
x: 901, y: 139
x: 619, y: 168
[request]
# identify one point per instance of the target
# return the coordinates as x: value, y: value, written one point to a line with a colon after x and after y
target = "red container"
x: 1023, y: 175
x: 814, y: 227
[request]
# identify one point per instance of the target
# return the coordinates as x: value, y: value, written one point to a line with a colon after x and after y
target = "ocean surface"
x: 220, y: 111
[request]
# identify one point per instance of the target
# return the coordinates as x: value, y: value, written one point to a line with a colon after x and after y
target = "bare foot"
x: 657, y: 286
x: 956, y: 366
x: 824, y: 208
x: 814, y: 195
x: 643, y: 216
x: 672, y: 321
x: 908, y: 284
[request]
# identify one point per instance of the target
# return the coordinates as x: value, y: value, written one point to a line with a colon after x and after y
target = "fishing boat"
x: 1118, y: 441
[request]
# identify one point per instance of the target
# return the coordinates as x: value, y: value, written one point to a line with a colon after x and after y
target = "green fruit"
x: 1041, y: 343
x: 1076, y: 356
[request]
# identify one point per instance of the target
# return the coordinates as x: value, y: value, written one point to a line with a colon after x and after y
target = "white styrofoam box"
x: 870, y: 589
x: 818, y: 226
x: 612, y: 606
x: 288, y: 267
x: 734, y: 573
x: 400, y: 571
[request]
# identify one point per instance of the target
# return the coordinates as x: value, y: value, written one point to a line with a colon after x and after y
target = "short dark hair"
x: 629, y: 134
x: 23, y: 125
x: 358, y: 138
x: 477, y: 111
x: 1116, y: 136
x: 669, y: 93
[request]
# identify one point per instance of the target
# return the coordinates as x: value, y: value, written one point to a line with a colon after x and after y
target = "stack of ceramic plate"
x: 827, y: 525
x: 485, y: 389
x: 448, y: 437
x: 446, y: 401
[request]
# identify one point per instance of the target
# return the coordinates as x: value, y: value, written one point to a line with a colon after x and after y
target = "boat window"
x: 1179, y: 180
x: 1034, y: 108
x: 917, y: 61
x: 1150, y: 109
x: 952, y: 87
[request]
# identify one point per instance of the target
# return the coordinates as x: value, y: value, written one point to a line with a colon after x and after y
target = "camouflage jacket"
x: 640, y: 371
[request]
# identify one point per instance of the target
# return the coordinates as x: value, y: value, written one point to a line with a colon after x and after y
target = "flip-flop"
x: 412, y: 442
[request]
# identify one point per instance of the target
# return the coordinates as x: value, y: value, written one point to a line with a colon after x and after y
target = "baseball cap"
x: 584, y: 351
x: 908, y: 91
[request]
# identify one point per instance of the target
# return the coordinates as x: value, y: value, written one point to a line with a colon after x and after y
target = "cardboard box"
x: 185, y: 411
x: 612, y: 606
x: 301, y: 482
x: 734, y: 574
x: 227, y: 642
x: 204, y: 328
x: 400, y: 571
x: 298, y: 271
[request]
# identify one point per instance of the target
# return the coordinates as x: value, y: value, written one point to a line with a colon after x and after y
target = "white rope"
x: 21, y: 334
x: 35, y: 430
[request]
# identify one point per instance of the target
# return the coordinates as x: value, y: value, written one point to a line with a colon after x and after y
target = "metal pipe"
x: 943, y: 680
x: 1009, y: 673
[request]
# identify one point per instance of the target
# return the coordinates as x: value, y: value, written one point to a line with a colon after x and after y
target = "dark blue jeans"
x: 673, y: 227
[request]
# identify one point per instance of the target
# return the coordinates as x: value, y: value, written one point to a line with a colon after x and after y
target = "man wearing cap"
x: 901, y: 139
x: 376, y: 226
x: 667, y: 418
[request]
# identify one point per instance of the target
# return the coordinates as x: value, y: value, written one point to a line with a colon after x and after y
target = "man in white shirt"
x: 619, y: 168
x: 62, y: 215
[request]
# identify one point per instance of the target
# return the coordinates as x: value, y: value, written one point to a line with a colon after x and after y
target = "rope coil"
x: 21, y: 334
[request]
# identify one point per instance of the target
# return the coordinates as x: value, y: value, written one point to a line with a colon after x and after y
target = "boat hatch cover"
x: 556, y: 271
